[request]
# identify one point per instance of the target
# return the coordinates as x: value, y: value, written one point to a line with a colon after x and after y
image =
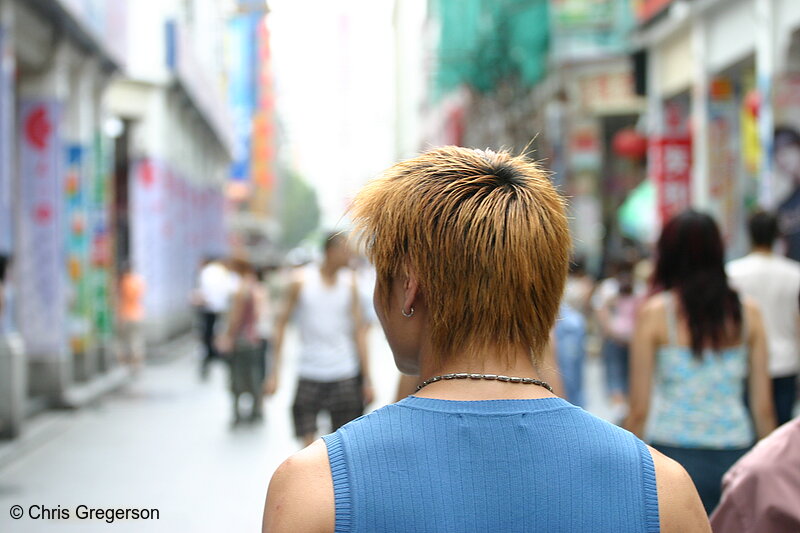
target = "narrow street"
x: 165, y: 442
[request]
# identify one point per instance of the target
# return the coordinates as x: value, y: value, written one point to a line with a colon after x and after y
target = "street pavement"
x: 165, y: 442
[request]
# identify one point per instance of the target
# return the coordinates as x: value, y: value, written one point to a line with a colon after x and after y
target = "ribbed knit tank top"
x: 427, y: 465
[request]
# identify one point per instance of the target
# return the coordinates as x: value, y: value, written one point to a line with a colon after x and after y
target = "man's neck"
x: 328, y: 270
x: 488, y: 361
x: 765, y: 250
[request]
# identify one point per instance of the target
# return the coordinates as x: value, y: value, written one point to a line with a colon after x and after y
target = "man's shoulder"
x: 788, y: 266
x: 372, y: 419
x: 679, y: 505
x: 774, y: 456
x: 300, y: 497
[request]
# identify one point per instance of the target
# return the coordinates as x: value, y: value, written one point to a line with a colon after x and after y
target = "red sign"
x: 38, y: 128
x: 671, y: 159
x: 647, y: 9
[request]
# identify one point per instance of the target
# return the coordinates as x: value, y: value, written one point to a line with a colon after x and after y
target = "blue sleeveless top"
x: 699, y: 402
x: 426, y: 465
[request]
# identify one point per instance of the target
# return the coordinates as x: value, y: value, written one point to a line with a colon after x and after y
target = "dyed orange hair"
x: 486, y: 235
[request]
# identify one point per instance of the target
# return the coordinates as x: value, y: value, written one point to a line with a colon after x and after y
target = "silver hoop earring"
x: 409, y: 315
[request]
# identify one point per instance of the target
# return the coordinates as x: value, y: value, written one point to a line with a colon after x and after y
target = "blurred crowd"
x: 700, y: 357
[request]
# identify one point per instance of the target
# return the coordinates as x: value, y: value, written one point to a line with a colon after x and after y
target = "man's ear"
x: 410, y: 288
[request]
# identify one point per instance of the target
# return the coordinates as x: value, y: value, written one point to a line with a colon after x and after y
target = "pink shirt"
x: 761, y: 492
x: 623, y: 316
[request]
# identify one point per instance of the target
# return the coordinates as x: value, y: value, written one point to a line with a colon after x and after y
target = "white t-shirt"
x: 217, y: 285
x: 773, y: 282
x: 325, y: 321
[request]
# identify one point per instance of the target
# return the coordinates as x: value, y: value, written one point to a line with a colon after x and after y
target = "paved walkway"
x: 165, y: 442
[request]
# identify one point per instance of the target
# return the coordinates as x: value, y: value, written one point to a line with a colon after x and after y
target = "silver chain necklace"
x: 490, y: 377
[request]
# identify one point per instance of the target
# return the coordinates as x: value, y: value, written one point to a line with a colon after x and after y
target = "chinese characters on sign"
x: 672, y: 169
x: 42, y: 297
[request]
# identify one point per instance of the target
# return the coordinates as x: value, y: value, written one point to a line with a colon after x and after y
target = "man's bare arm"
x: 290, y: 303
x: 360, y: 329
x: 679, y: 507
x: 300, y: 496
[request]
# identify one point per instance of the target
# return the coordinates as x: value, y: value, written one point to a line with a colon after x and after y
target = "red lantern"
x: 629, y: 143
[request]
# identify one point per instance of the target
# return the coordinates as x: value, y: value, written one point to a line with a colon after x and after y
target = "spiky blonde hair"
x: 486, y: 235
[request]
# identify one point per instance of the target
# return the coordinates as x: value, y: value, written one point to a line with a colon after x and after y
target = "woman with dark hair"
x: 696, y: 343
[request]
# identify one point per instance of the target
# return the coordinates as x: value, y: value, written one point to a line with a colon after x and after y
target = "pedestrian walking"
x: 786, y: 182
x: 333, y: 363
x: 471, y: 250
x: 241, y: 342
x: 570, y: 345
x: 616, y: 317
x: 131, y: 317
x: 262, y: 292
x: 696, y: 343
x: 773, y: 282
x: 760, y: 492
x: 214, y: 290
x: 7, y: 324
x: 580, y: 287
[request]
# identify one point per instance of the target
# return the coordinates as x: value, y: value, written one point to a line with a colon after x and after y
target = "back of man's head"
x: 763, y: 229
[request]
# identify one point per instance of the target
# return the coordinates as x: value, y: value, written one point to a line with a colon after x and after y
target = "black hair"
x: 5, y: 260
x: 763, y: 228
x: 577, y: 265
x: 333, y: 238
x: 691, y: 260
x: 786, y: 135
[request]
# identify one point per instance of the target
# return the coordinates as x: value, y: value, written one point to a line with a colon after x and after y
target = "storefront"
x: 733, y: 81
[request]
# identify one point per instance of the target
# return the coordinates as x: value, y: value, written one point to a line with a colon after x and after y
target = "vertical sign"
x: 79, y: 325
x: 242, y: 89
x: 147, y: 213
x: 6, y: 140
x: 672, y: 170
x: 100, y: 246
x: 41, y: 299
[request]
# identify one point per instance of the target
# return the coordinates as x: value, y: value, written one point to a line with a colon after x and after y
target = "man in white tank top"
x: 333, y: 366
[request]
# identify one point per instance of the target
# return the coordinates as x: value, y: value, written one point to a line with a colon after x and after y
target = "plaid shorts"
x: 344, y: 400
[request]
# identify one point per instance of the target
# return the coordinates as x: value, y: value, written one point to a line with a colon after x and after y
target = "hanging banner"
x: 147, y: 210
x: 726, y: 199
x: 41, y: 298
x: 671, y: 159
x: 6, y: 141
x: 99, y: 235
x: 79, y: 324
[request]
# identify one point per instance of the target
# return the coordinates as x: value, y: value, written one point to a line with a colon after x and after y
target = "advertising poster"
x: 41, y: 285
x: 782, y: 190
x: 99, y: 241
x: 671, y: 160
x: 726, y: 163
x: 78, y: 323
x: 6, y: 141
x: 147, y: 215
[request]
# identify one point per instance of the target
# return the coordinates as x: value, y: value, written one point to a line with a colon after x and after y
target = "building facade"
x: 111, y: 155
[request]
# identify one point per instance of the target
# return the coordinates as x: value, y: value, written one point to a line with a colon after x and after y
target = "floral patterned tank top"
x: 699, y: 402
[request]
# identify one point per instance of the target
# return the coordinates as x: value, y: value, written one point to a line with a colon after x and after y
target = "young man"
x: 471, y: 250
x: 333, y: 369
x: 131, y: 315
x: 773, y: 282
x: 216, y: 285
